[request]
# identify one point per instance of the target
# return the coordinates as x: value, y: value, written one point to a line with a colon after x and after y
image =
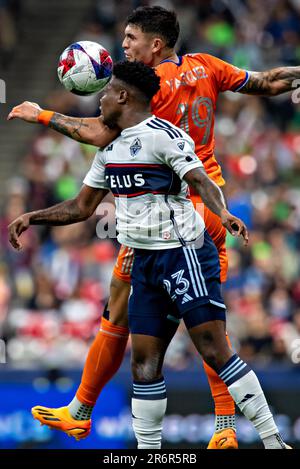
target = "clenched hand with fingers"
x: 27, y: 111
x: 234, y: 225
x: 16, y: 228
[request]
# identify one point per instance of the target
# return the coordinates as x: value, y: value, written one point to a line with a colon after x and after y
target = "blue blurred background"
x: 53, y: 292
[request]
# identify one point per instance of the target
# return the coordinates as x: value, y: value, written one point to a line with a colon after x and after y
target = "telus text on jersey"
x: 125, y: 181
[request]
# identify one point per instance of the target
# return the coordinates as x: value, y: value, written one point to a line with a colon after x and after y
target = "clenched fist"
x: 27, y: 111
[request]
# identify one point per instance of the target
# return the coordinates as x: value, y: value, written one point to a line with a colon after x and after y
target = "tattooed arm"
x: 272, y: 82
x: 86, y: 130
x: 213, y: 198
x: 70, y: 211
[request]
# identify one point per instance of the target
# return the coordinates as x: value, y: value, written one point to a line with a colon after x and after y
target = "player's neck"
x: 131, y: 118
x: 168, y: 54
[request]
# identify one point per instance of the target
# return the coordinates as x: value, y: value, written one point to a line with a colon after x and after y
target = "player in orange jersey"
x: 189, y: 88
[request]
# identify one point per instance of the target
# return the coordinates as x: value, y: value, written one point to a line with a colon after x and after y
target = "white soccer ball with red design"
x: 84, y: 67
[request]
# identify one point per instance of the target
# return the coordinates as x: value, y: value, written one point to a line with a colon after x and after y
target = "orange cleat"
x: 61, y: 419
x: 223, y: 439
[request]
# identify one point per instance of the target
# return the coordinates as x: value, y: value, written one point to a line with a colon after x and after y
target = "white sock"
x: 79, y: 410
x: 274, y: 442
x: 149, y: 403
x: 247, y: 393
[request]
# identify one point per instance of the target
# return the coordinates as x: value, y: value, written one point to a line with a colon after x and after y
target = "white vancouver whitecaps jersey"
x: 144, y: 168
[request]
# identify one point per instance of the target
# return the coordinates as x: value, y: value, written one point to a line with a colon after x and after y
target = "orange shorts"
x: 123, y: 266
x: 217, y: 232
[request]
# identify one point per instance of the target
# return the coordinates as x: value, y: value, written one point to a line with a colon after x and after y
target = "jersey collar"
x: 130, y: 129
x: 172, y: 61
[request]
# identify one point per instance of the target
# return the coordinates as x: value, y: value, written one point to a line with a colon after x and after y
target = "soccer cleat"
x: 61, y: 419
x: 223, y: 439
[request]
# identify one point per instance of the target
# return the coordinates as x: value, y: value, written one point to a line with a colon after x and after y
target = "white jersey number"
x: 182, y: 283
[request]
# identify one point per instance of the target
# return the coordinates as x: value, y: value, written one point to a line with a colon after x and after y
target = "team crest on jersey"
x: 180, y: 145
x: 135, y: 147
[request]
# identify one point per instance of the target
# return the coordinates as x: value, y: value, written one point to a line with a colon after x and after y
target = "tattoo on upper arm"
x: 71, y: 127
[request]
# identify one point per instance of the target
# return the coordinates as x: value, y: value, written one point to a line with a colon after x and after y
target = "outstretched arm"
x: 86, y: 130
x: 213, y: 198
x: 70, y: 211
x: 272, y: 82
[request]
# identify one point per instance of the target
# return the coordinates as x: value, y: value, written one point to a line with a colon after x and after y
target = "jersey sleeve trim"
x: 186, y: 169
x: 95, y: 185
x: 243, y: 83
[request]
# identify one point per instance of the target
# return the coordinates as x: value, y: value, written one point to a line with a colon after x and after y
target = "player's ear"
x: 157, y: 45
x: 123, y: 97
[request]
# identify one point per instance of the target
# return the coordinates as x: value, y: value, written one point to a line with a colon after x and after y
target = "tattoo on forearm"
x: 64, y: 213
x: 272, y: 82
x: 70, y: 126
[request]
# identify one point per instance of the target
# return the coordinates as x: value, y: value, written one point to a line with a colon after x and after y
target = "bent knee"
x: 215, y: 358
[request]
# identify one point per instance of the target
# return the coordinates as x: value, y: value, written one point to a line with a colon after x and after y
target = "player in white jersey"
x: 144, y: 170
x: 176, y: 270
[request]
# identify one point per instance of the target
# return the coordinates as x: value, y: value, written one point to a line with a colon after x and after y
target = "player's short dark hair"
x: 156, y: 20
x: 139, y: 75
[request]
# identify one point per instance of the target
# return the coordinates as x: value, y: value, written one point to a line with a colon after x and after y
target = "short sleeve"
x: 227, y: 76
x: 178, y: 154
x: 96, y: 175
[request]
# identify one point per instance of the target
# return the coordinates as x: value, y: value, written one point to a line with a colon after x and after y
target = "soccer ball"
x: 84, y: 68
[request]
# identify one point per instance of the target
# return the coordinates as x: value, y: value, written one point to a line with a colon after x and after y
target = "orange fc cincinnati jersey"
x: 187, y: 98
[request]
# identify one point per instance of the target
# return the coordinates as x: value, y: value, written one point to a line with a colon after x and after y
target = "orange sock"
x: 224, y: 404
x: 103, y: 361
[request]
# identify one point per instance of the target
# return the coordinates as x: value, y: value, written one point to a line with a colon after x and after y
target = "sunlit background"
x: 52, y: 293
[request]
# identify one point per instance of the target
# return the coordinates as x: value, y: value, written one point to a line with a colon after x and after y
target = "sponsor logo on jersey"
x: 124, y: 178
x: 110, y: 147
x: 125, y: 181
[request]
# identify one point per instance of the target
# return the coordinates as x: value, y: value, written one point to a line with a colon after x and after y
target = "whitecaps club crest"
x: 135, y: 147
x: 180, y: 145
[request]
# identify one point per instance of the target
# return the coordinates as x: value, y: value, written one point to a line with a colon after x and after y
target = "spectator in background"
x: 9, y: 10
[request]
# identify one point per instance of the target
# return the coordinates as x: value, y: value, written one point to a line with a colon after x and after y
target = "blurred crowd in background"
x: 52, y: 293
x: 10, y: 11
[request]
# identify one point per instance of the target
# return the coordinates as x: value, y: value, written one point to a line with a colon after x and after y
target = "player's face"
x: 138, y: 45
x: 109, y: 104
